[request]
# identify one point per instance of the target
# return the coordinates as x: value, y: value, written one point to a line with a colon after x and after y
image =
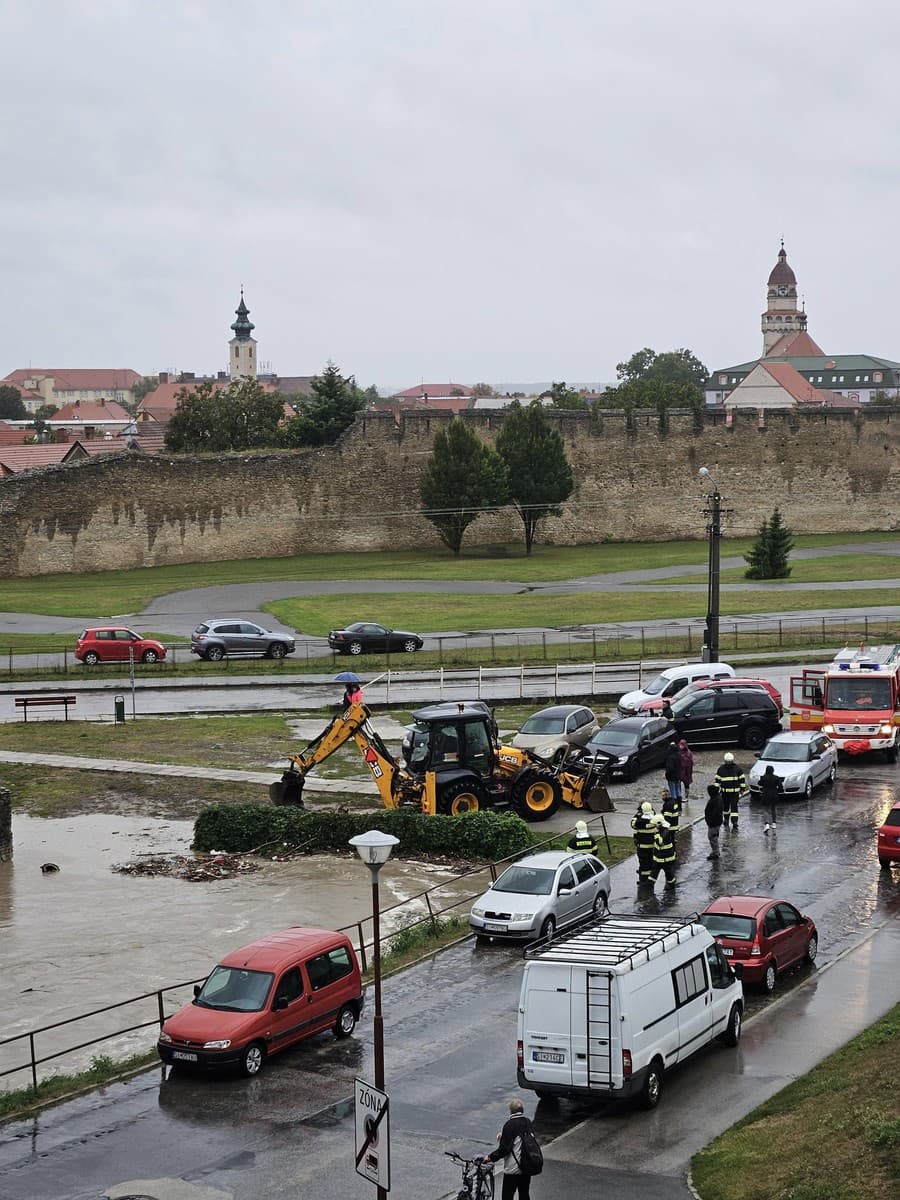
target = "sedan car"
x: 552, y: 731
x: 802, y: 759
x: 540, y: 894
x: 115, y: 644
x: 765, y: 936
x: 363, y: 637
x: 637, y: 743
x: 215, y: 640
x: 889, y: 838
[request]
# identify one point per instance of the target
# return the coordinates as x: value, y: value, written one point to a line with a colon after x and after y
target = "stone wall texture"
x: 635, y: 479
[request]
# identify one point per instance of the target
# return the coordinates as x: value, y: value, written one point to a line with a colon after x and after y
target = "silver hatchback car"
x: 802, y: 759
x: 540, y: 894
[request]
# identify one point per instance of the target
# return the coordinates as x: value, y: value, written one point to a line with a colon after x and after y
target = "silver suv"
x: 540, y: 894
x: 215, y: 640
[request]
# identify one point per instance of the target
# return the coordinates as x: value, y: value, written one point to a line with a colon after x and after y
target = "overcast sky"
x: 477, y: 190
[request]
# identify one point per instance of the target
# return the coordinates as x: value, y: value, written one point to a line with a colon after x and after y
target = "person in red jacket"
x: 687, y: 768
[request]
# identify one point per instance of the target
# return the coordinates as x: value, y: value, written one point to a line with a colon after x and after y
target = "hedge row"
x: 238, y: 828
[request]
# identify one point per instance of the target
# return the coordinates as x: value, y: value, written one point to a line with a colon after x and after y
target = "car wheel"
x: 536, y: 795
x: 632, y: 769
x: 808, y: 788
x: 149, y: 656
x: 548, y: 928
x: 601, y: 904
x: 732, y: 1034
x: 885, y: 864
x: 768, y: 981
x: 753, y: 737
x: 461, y: 796
x: 652, y: 1086
x: 355, y: 648
x: 346, y: 1021
x: 252, y: 1058
x: 277, y: 650
x: 812, y: 949
x: 542, y: 1095
x: 410, y: 645
x: 890, y: 755
x: 832, y: 774
x: 91, y: 658
x: 215, y: 654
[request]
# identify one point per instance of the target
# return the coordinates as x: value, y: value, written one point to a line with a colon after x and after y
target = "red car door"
x: 795, y: 931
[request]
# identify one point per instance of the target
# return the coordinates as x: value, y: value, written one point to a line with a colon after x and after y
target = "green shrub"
x: 483, y: 836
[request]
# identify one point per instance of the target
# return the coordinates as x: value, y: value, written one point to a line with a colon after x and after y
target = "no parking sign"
x: 373, y: 1150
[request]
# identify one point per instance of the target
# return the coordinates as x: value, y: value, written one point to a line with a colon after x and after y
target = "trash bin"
x: 120, y: 710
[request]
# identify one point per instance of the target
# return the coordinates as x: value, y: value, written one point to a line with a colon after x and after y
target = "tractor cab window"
x: 478, y: 747
x: 416, y: 747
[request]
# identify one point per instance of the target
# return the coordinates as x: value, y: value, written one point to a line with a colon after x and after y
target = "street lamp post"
x: 374, y: 848
x: 713, y: 513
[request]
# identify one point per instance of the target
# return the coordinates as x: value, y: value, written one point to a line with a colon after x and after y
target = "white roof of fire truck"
x: 871, y: 658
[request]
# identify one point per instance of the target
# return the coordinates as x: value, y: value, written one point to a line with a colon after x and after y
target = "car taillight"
x: 626, y: 1063
x: 520, y: 1055
x: 754, y: 949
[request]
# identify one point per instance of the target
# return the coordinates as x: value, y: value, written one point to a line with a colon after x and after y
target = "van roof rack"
x: 614, y: 941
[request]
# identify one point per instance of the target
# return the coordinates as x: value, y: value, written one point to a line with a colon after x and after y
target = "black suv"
x: 726, y: 716
x: 216, y: 640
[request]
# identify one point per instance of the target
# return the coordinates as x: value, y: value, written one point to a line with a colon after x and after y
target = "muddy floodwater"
x: 85, y: 937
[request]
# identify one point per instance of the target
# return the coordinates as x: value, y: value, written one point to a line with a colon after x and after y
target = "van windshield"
x: 654, y: 688
x: 742, y: 929
x: 529, y: 881
x: 858, y: 691
x: 234, y: 989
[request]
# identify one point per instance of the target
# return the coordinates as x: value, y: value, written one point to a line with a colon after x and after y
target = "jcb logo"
x: 372, y: 759
x: 509, y: 758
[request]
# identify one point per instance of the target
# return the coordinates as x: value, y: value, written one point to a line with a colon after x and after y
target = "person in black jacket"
x: 713, y: 816
x: 770, y: 788
x: 515, y: 1183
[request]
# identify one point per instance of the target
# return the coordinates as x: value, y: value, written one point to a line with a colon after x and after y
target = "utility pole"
x: 713, y: 513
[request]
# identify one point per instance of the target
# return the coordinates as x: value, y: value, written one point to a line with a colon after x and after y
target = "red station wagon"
x: 116, y: 644
x: 889, y: 838
x: 265, y: 997
x: 765, y: 936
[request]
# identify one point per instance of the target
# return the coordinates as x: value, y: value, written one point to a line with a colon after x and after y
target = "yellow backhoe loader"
x: 452, y: 762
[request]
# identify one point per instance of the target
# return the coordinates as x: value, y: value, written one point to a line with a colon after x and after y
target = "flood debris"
x: 195, y: 868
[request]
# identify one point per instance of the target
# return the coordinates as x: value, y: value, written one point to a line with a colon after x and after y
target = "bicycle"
x: 477, y: 1177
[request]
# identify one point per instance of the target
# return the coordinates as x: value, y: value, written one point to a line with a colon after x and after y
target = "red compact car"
x: 656, y: 702
x: 889, y: 838
x: 765, y: 936
x: 116, y: 644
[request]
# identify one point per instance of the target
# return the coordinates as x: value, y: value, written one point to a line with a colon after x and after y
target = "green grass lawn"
x: 838, y: 569
x: 834, y: 1134
x: 112, y: 593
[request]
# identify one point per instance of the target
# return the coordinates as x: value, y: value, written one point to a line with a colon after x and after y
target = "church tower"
x: 242, y: 347
x: 782, y: 316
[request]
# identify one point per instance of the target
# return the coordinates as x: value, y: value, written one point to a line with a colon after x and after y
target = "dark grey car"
x: 215, y: 640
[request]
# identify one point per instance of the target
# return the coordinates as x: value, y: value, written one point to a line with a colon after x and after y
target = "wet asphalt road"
x: 450, y: 1057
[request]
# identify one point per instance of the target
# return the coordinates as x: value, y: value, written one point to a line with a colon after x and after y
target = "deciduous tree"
x: 11, y: 406
x: 671, y: 367
x: 539, y: 475
x: 241, y: 416
x: 463, y: 478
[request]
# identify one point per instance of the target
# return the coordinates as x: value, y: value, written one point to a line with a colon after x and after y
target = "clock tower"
x: 782, y: 314
x: 242, y: 347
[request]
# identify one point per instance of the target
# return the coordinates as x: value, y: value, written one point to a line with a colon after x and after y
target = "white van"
x: 670, y: 682
x: 606, y: 1010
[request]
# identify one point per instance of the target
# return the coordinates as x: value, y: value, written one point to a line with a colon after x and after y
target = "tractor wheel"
x: 536, y: 795
x: 461, y: 796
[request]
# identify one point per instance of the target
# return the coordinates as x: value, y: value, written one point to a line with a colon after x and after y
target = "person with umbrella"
x: 353, y: 693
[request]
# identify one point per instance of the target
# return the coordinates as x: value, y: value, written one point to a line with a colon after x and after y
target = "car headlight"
x: 523, y: 916
x: 886, y: 730
x: 620, y: 762
x: 793, y: 780
x: 478, y: 912
x: 163, y: 1036
x: 828, y: 729
x: 218, y: 1044
x: 546, y: 751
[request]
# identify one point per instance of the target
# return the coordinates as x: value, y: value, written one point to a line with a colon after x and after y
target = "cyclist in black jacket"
x: 515, y: 1182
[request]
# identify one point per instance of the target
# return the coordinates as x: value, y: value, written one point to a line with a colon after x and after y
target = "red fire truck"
x: 855, y: 700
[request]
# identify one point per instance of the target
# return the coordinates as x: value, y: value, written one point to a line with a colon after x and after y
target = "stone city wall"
x: 827, y: 471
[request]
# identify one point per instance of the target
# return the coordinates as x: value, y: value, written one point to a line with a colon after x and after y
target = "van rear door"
x: 546, y: 1035
x: 596, y: 1031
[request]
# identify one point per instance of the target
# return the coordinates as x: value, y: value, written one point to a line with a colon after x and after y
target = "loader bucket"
x: 597, y: 799
x: 288, y: 790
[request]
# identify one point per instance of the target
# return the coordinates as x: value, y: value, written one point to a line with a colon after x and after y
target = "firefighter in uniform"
x: 732, y: 784
x: 644, y: 830
x: 581, y: 839
x: 663, y: 850
x: 670, y: 808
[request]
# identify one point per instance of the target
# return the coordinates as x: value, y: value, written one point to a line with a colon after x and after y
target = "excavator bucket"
x: 288, y: 789
x: 597, y: 799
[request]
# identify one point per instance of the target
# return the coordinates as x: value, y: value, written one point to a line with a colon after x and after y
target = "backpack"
x: 530, y: 1157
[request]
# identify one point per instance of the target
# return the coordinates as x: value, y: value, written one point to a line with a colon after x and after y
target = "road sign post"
x: 373, y: 1139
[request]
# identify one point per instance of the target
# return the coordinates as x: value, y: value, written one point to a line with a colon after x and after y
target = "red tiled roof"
x: 797, y: 344
x: 794, y: 384
x: 11, y: 436
x: 434, y: 391
x: 101, y: 445
x: 21, y: 458
x: 74, y: 379
x: 91, y: 410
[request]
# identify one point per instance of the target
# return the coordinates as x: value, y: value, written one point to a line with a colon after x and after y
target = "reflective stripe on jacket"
x: 644, y: 832
x: 664, y: 846
x: 730, y: 780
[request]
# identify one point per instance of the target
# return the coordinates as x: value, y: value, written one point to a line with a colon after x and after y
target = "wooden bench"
x: 26, y: 702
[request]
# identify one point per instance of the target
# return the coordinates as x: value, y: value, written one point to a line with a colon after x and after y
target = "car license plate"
x: 548, y: 1056
x: 494, y: 928
x: 184, y: 1055
x: 727, y: 950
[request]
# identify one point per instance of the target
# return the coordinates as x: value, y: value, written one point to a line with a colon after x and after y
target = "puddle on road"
x: 86, y: 937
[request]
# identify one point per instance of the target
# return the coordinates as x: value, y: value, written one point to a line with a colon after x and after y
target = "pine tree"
x: 463, y: 477
x: 768, y: 557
